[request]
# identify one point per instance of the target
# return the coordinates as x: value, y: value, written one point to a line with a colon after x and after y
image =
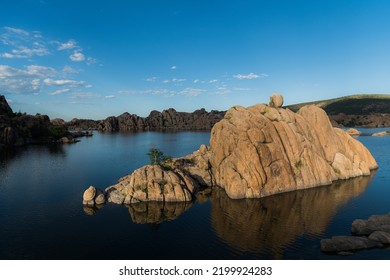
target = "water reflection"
x: 270, y: 224
x: 155, y: 212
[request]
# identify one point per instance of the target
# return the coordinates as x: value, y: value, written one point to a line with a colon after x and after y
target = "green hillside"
x: 360, y: 104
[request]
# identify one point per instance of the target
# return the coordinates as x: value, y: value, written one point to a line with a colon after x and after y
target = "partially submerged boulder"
x: 93, y: 196
x: 373, y: 232
x: 347, y: 243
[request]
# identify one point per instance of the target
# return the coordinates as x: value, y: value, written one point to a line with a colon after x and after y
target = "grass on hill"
x: 359, y: 104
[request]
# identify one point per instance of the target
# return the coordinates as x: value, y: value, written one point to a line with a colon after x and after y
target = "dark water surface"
x: 42, y: 217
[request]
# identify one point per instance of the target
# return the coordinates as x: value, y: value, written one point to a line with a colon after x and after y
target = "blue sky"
x: 93, y: 59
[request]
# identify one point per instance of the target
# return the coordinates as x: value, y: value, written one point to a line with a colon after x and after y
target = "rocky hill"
x: 18, y: 129
x: 254, y: 152
x: 364, y: 110
x: 166, y: 120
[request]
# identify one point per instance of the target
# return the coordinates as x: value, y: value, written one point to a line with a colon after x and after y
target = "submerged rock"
x: 382, y: 133
x: 347, y: 243
x: 373, y: 232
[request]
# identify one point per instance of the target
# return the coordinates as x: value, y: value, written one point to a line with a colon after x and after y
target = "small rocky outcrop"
x: 373, y: 232
x: 153, y: 183
x: 353, y: 132
x: 381, y: 133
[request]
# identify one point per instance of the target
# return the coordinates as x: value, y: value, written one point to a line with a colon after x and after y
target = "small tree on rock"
x: 156, y: 156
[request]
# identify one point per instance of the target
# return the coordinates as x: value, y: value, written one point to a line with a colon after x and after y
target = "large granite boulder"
x: 263, y: 150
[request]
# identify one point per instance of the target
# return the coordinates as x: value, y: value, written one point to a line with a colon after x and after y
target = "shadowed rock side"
x: 269, y: 224
x: 263, y: 150
x: 155, y: 212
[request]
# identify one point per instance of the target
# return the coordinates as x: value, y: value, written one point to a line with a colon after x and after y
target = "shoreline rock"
x: 370, y: 233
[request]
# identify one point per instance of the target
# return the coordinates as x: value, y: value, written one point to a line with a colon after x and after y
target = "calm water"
x: 42, y: 217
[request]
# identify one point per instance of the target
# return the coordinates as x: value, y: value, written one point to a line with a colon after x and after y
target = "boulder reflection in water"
x: 270, y: 224
x: 155, y: 212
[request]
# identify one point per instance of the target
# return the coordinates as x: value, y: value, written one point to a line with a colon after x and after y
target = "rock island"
x: 254, y: 152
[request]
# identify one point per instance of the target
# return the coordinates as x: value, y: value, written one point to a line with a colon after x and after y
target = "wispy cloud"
x: 213, y: 81
x: 151, y: 79
x: 71, y: 44
x: 22, y: 44
x: 174, y: 67
x: 70, y: 83
x: 191, y: 91
x: 109, y: 96
x: 148, y: 91
x: 17, y: 31
x: 60, y: 91
x: 84, y: 95
x: 166, y: 81
x: 176, y: 80
x: 249, y: 76
x: 77, y: 56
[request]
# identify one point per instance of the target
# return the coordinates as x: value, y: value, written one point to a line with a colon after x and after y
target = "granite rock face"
x: 263, y: 150
x: 153, y: 183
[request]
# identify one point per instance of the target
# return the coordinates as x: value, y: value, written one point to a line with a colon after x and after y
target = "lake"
x: 42, y: 216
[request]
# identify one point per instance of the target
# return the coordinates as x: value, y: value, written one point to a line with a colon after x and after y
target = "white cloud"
x: 166, y: 82
x: 24, y: 52
x: 69, y: 70
x: 109, y: 96
x: 175, y: 80
x: 84, y: 95
x: 213, y: 81
x: 241, y: 89
x: 77, y: 56
x: 88, y: 86
x: 149, y: 91
x: 196, y: 81
x: 70, y: 83
x: 41, y: 71
x: 191, y: 91
x: 151, y: 79
x: 60, y: 91
x: 250, y: 76
x: 17, y: 31
x: 174, y: 67
x: 91, y: 60
x: 71, y: 44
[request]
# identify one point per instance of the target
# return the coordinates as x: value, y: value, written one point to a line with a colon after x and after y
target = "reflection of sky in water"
x: 43, y: 217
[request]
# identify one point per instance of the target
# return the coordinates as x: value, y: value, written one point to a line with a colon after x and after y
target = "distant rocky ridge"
x: 166, y: 120
x: 254, y: 152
